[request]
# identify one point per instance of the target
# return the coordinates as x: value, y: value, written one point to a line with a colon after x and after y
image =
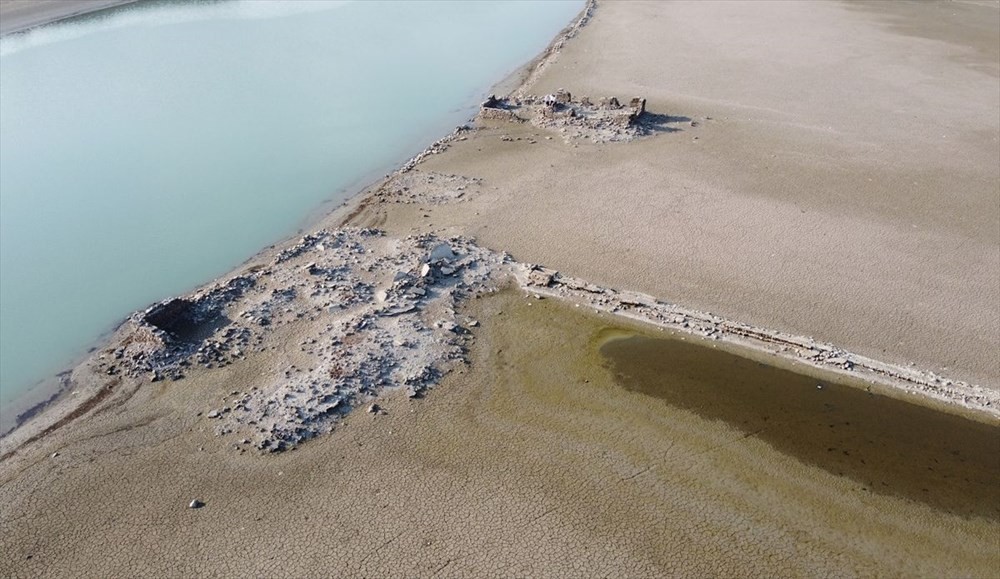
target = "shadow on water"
x: 887, y: 446
x: 652, y: 123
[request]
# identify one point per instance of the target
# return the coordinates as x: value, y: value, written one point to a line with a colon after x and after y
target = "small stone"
x: 195, y: 504
x: 425, y: 270
x: 374, y: 409
x: 55, y: 454
x: 442, y: 251
x: 213, y: 414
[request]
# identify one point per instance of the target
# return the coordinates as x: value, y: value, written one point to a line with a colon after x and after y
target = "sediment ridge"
x: 368, y: 312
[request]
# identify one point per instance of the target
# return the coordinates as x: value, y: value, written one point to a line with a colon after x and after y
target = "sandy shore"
x: 769, y: 193
x: 840, y: 181
x: 17, y: 15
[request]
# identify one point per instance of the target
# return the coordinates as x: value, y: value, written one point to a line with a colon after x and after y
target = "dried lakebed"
x: 538, y: 446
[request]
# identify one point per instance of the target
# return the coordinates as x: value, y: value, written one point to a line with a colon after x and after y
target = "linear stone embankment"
x: 645, y: 308
x: 364, y: 312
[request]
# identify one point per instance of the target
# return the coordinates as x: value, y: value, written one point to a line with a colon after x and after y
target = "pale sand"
x: 17, y: 15
x: 531, y: 462
x: 846, y: 186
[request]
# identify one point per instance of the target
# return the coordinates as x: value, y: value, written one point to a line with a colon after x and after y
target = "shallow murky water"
x: 887, y: 445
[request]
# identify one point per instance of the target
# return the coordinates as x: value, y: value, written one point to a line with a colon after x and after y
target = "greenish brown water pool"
x: 888, y: 446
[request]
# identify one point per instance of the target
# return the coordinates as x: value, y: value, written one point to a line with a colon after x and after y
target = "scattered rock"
x: 196, y: 504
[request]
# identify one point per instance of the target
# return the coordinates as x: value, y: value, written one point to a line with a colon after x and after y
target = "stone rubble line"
x: 385, y: 317
x: 647, y: 309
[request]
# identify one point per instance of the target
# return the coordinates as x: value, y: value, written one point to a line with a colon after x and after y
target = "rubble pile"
x: 426, y: 187
x: 605, y: 120
x: 383, y: 313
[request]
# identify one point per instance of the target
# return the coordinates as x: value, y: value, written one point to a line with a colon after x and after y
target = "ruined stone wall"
x: 606, y: 120
x: 499, y: 115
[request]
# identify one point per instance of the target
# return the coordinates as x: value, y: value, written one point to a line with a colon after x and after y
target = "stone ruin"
x: 606, y: 120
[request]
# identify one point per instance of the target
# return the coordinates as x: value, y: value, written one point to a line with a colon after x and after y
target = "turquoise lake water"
x: 146, y: 150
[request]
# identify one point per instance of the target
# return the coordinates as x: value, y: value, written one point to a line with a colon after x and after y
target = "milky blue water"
x: 147, y: 150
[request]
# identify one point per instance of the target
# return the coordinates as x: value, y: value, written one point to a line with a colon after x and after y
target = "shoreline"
x: 55, y: 389
x: 57, y: 396
x: 502, y: 356
x: 21, y: 15
x: 918, y: 385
